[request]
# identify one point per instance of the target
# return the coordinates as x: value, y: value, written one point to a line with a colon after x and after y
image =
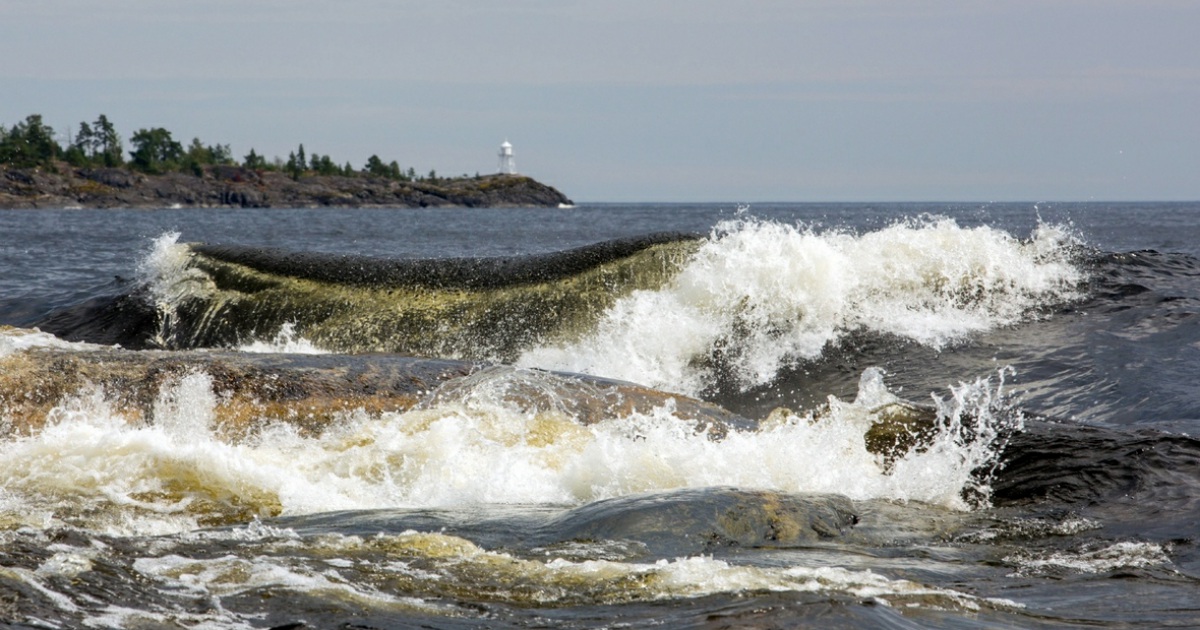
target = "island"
x: 90, y: 171
x: 236, y: 186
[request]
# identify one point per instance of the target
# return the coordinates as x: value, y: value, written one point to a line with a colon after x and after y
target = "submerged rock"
x: 663, y: 524
x: 310, y: 391
x: 702, y: 519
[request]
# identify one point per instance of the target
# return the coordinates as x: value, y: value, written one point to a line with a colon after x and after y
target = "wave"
x: 486, y: 308
x: 178, y: 467
x: 758, y: 297
x: 670, y: 311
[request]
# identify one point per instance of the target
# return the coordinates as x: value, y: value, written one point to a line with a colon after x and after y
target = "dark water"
x: 1049, y: 351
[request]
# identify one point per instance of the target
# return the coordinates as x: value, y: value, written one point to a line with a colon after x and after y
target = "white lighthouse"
x: 508, y: 166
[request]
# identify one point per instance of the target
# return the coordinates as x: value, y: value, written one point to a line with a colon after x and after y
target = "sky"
x: 651, y: 100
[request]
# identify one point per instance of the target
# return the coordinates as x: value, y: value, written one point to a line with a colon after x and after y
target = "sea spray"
x: 287, y: 340
x: 962, y: 454
x: 760, y: 296
x: 91, y: 466
x: 170, y: 280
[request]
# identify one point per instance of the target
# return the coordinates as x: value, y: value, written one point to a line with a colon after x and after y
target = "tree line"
x: 32, y: 143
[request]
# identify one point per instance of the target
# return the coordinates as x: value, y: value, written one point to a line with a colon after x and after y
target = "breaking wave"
x: 760, y: 296
x: 91, y: 467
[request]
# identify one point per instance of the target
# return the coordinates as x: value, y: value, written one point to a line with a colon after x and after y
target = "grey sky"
x: 629, y: 100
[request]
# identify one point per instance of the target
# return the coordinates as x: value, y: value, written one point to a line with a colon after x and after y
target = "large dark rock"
x: 114, y: 177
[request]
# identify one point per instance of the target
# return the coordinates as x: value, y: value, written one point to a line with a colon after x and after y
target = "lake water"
x: 1045, y: 355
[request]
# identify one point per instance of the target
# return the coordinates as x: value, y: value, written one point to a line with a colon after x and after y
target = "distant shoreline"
x: 220, y: 186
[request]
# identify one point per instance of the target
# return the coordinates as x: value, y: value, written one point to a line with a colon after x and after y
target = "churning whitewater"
x: 908, y: 421
x: 753, y: 298
x: 760, y: 296
x: 89, y: 467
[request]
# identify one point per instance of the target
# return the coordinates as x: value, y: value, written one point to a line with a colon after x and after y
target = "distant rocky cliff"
x: 235, y: 186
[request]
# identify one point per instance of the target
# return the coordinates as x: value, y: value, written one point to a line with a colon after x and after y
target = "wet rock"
x: 587, y: 400
x: 707, y: 518
x: 308, y: 391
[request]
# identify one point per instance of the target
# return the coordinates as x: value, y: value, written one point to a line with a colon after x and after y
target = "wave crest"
x: 759, y: 296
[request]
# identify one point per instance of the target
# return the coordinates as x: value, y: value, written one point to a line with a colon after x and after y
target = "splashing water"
x: 758, y: 296
x: 13, y: 340
x: 169, y: 278
x: 286, y: 340
x: 458, y: 562
x: 178, y: 470
x: 166, y: 270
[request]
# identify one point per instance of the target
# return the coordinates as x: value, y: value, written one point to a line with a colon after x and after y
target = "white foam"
x: 68, y: 563
x: 90, y: 466
x: 13, y: 340
x: 451, y: 564
x: 186, y: 407
x: 763, y: 295
x: 114, y: 616
x: 36, y: 581
x: 1121, y: 555
x: 166, y: 270
x: 230, y: 575
x: 287, y: 340
x: 170, y: 279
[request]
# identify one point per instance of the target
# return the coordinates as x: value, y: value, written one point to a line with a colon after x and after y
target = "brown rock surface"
x: 310, y: 391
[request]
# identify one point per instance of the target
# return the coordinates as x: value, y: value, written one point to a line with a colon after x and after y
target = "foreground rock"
x: 310, y: 391
x: 234, y: 186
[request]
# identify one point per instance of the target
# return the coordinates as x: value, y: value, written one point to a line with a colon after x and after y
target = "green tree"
x: 86, y: 140
x: 221, y: 154
x: 155, y: 151
x: 376, y: 167
x: 254, y: 161
x: 29, y: 143
x: 324, y: 165
x: 195, y: 157
x: 293, y: 168
x: 82, y: 149
x: 75, y: 156
x: 107, y: 143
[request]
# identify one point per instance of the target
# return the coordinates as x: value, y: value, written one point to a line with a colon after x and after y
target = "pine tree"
x: 107, y: 142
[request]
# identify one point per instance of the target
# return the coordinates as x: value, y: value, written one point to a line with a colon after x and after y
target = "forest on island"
x: 32, y: 143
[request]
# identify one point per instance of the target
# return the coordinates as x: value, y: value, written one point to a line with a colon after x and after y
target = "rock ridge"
x: 240, y: 187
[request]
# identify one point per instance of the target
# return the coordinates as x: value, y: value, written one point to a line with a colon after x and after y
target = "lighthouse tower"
x: 508, y: 166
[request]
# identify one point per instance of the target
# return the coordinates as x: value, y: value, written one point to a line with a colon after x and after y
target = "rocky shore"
x: 239, y: 187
